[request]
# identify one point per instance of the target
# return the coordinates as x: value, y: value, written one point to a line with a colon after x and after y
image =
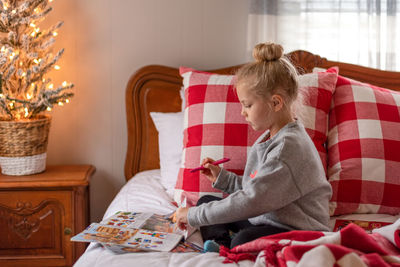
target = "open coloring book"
x: 133, y: 231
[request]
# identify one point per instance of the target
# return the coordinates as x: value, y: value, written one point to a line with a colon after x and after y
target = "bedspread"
x: 352, y: 246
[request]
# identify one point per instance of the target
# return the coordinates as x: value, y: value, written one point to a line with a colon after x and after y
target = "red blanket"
x: 351, y: 246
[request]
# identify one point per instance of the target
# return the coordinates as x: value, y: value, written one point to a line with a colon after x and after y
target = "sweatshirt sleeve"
x: 228, y: 182
x: 271, y: 189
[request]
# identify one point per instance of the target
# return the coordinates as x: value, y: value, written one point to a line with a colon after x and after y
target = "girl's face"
x: 255, y: 108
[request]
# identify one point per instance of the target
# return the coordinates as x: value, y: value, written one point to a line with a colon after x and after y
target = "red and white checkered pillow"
x: 316, y: 90
x: 213, y: 126
x: 363, y: 149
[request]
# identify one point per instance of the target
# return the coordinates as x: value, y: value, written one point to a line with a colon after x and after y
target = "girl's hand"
x: 212, y: 171
x: 181, y: 218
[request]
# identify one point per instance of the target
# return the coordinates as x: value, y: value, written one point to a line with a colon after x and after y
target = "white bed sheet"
x: 144, y: 193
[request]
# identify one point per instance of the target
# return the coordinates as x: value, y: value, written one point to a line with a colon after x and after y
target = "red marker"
x: 214, y: 163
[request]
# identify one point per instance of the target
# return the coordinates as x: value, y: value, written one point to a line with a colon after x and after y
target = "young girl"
x: 284, y: 186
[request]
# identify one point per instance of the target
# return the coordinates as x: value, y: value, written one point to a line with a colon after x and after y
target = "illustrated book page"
x: 368, y: 226
x: 134, y: 231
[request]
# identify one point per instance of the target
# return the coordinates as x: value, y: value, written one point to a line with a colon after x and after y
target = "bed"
x: 157, y: 88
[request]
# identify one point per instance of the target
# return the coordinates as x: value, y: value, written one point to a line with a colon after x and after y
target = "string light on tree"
x: 26, y: 58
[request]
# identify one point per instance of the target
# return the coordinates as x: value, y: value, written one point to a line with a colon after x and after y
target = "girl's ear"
x: 277, y: 102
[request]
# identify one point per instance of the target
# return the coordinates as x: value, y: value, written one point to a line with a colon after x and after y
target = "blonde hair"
x: 270, y: 73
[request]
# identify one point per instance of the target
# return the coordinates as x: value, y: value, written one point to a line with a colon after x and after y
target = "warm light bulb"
x: 37, y: 29
x: 1, y: 95
x: 36, y: 61
x: 66, y: 100
x: 23, y: 74
x: 60, y: 103
x: 48, y: 108
x: 55, y: 34
x: 3, y: 49
x: 28, y: 96
x: 51, y: 86
x: 64, y: 83
x: 50, y: 1
x: 33, y: 34
x: 57, y: 67
x: 32, y: 25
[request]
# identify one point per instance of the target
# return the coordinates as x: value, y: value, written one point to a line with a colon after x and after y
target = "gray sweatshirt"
x: 283, y: 184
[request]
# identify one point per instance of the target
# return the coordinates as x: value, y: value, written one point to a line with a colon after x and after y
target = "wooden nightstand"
x: 40, y: 213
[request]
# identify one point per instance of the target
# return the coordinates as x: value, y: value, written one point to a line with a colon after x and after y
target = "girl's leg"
x: 217, y: 232
x: 253, y: 232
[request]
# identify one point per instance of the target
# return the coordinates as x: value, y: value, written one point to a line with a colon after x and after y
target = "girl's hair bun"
x: 267, y: 52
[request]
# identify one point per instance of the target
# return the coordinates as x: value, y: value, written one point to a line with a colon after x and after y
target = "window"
x: 362, y: 32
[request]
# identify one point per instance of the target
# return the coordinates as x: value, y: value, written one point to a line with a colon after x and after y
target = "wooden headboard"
x: 156, y: 88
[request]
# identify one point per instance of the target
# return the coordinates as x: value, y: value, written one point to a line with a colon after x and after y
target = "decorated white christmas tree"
x: 26, y: 57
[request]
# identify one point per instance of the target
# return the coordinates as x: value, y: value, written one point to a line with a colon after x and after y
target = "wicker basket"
x: 23, y: 145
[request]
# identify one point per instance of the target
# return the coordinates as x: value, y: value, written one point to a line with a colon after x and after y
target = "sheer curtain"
x: 365, y: 32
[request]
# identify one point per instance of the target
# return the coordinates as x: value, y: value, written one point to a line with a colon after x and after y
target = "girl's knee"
x: 206, y: 199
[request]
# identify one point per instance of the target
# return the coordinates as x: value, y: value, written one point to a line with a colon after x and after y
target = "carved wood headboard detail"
x: 155, y: 88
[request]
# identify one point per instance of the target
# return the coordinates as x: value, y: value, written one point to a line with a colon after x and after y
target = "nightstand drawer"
x: 36, y: 224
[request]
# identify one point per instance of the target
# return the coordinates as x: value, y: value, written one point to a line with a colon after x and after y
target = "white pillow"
x: 182, y: 95
x: 170, y: 145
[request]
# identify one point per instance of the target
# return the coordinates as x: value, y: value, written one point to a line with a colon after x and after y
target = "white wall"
x: 105, y: 41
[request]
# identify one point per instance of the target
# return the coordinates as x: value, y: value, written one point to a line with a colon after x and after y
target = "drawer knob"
x: 67, y: 231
